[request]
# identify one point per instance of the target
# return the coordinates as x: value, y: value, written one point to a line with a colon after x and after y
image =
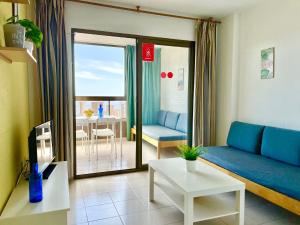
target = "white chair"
x: 105, y: 132
x: 46, y: 135
x: 81, y: 133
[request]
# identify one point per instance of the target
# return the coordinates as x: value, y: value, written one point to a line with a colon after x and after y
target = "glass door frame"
x: 138, y: 138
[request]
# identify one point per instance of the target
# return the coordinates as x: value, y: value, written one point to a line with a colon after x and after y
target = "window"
x: 99, y: 70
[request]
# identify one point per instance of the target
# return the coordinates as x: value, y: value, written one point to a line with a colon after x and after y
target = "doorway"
x: 109, y: 98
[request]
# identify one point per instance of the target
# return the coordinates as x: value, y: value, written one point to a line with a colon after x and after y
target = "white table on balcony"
x: 105, y: 119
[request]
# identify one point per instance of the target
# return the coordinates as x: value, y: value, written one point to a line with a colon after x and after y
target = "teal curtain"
x: 151, y: 89
x: 130, y: 76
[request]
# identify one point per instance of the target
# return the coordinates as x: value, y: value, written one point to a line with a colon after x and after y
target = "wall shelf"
x: 17, y: 1
x: 10, y: 55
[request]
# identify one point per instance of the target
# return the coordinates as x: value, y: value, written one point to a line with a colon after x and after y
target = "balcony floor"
x: 109, y: 161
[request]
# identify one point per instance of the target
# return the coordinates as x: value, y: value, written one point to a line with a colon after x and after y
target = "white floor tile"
x: 109, y: 221
x: 122, y: 195
x: 97, y: 199
x: 129, y: 207
x: 77, y: 216
x: 101, y: 212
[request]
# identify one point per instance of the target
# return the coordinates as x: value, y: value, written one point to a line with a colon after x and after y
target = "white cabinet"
x: 51, y: 210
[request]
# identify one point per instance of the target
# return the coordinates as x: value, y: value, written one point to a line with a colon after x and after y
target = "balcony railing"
x: 113, y: 106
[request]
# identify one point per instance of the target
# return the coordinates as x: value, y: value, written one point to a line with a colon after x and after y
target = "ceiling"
x: 204, y: 8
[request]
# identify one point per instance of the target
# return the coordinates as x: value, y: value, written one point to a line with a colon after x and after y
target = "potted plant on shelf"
x: 33, y: 34
x: 14, y: 33
x: 190, y: 154
x: 22, y: 33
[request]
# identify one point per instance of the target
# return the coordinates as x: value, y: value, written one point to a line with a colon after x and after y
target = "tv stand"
x: 52, y: 210
x: 47, y: 172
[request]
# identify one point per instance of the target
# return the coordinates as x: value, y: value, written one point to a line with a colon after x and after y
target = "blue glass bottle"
x: 100, y: 111
x: 35, y: 184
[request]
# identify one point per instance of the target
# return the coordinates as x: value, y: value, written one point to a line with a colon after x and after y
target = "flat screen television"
x: 41, y: 148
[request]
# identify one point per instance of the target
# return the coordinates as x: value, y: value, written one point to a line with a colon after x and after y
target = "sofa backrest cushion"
x: 162, y: 117
x: 281, y: 144
x: 182, y: 123
x: 245, y: 136
x: 171, y: 120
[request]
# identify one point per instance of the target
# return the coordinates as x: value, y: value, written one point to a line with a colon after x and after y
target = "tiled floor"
x: 109, y: 161
x: 122, y: 200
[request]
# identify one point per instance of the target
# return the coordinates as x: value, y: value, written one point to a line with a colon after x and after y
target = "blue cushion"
x: 162, y: 117
x: 245, y: 136
x: 282, y: 145
x: 161, y: 133
x: 171, y: 120
x: 182, y: 123
x: 281, y: 177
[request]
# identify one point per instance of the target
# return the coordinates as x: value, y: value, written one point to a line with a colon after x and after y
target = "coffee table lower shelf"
x: 205, y: 208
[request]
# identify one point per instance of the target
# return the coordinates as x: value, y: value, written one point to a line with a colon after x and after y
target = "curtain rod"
x: 139, y: 10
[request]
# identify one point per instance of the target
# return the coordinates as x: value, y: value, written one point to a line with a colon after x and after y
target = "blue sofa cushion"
x: 282, y: 145
x: 182, y: 123
x: 245, y: 136
x: 171, y: 120
x: 162, y: 117
x: 161, y: 133
x: 281, y: 177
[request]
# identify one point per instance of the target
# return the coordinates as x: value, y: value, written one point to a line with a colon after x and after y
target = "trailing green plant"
x: 191, y: 152
x: 33, y: 32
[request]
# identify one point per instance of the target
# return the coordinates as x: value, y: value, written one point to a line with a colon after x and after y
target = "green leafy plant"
x: 12, y: 20
x: 191, y: 152
x: 33, y: 32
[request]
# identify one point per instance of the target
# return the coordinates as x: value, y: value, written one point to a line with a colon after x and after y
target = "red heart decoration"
x: 170, y: 74
x: 163, y: 75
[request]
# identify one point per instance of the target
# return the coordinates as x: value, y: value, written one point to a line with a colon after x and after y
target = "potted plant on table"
x: 190, y: 154
x: 22, y: 33
x: 88, y: 113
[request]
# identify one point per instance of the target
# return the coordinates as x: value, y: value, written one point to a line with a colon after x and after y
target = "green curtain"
x: 151, y: 89
x: 130, y: 76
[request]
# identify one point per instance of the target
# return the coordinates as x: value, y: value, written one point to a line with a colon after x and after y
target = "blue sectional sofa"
x: 267, y: 159
x: 170, y: 130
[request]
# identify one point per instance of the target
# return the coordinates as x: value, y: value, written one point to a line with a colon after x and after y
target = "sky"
x: 99, y: 70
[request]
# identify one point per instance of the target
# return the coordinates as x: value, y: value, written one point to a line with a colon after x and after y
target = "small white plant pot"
x: 191, y: 165
x: 29, y: 46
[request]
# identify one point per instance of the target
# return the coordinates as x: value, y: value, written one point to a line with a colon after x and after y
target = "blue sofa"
x: 170, y: 130
x: 267, y: 159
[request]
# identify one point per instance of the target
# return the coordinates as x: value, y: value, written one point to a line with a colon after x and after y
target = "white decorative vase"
x: 14, y: 35
x: 29, y: 46
x: 191, y: 165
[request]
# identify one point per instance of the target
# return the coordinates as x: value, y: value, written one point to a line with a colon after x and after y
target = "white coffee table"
x: 198, y: 194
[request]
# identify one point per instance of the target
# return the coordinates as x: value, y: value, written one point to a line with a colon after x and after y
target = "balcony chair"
x: 104, y: 132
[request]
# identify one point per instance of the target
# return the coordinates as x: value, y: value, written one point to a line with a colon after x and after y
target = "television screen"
x: 41, y: 148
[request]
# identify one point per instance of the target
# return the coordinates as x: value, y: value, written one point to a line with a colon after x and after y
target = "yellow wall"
x: 14, y: 115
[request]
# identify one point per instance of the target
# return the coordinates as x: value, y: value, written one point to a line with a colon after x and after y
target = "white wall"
x: 172, y: 99
x: 275, y: 102
x: 227, y: 76
x: 114, y: 20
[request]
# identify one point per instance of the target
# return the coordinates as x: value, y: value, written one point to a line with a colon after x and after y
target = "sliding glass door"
x: 104, y: 75
x: 166, y: 97
x: 132, y: 100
